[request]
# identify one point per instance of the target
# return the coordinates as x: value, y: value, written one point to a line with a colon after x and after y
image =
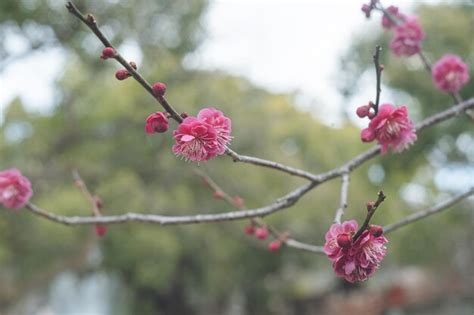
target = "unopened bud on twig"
x: 370, y: 205
x: 108, y: 52
x: 261, y: 233
x: 122, y: 74
x: 159, y: 89
x: 274, y: 245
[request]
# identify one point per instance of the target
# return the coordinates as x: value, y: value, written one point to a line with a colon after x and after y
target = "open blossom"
x: 156, y: 122
x: 15, y: 189
x: 221, y: 124
x: 195, y: 140
x: 391, y: 128
x: 407, y: 38
x: 354, y: 260
x: 397, y: 16
x: 450, y: 73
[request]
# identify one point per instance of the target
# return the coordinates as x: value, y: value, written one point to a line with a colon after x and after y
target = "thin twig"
x: 283, y: 237
x: 428, y: 212
x: 380, y: 198
x: 91, y: 22
x: 303, y: 246
x: 85, y: 191
x: 378, y: 74
x: 343, y: 200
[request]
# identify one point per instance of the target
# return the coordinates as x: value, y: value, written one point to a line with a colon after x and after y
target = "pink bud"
x: 261, y: 233
x: 98, y: 202
x: 376, y: 230
x: 156, y: 122
x: 108, y: 52
x: 366, y: 8
x: 239, y: 202
x: 370, y: 205
x: 344, y: 240
x: 362, y: 111
x: 100, y: 229
x: 249, y: 229
x: 122, y: 74
x: 159, y: 89
x: 218, y: 194
x: 274, y: 245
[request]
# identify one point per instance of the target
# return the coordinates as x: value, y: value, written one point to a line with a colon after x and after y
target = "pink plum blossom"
x: 450, y: 73
x: 387, y: 23
x: 156, y: 122
x: 195, y: 140
x: 15, y: 189
x: 407, y: 38
x: 358, y: 260
x: 390, y: 127
x: 221, y: 124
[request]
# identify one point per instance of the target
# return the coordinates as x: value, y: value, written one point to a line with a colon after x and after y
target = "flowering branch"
x: 281, y: 203
x: 428, y: 212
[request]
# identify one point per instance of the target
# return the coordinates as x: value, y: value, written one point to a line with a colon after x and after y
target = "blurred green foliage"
x: 97, y: 127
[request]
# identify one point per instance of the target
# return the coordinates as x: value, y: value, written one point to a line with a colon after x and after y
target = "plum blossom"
x: 407, y: 38
x: 221, y: 124
x: 15, y: 189
x: 450, y: 73
x: 387, y: 23
x: 195, y: 140
x: 203, y: 137
x: 355, y: 260
x: 156, y: 122
x: 391, y: 127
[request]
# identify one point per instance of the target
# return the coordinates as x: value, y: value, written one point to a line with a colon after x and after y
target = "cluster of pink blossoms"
x: 15, y: 189
x: 408, y: 33
x: 354, y: 260
x: 196, y: 138
x: 391, y: 127
x: 450, y: 73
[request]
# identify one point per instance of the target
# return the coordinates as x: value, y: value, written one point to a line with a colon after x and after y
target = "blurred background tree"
x: 97, y: 126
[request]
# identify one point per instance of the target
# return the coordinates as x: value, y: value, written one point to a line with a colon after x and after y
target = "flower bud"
x: 249, y: 229
x: 362, y: 111
x: 239, y: 202
x: 344, y: 240
x: 274, y: 245
x: 98, y: 202
x: 159, y: 89
x: 376, y: 230
x: 122, y: 74
x: 156, y: 122
x: 366, y: 8
x: 108, y: 52
x: 218, y: 194
x: 100, y: 229
x: 370, y: 205
x: 261, y: 233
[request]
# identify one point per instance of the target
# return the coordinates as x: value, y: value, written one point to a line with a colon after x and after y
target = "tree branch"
x: 343, y: 200
x: 428, y: 212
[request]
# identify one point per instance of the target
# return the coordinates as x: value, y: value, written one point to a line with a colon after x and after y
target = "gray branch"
x: 428, y: 212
